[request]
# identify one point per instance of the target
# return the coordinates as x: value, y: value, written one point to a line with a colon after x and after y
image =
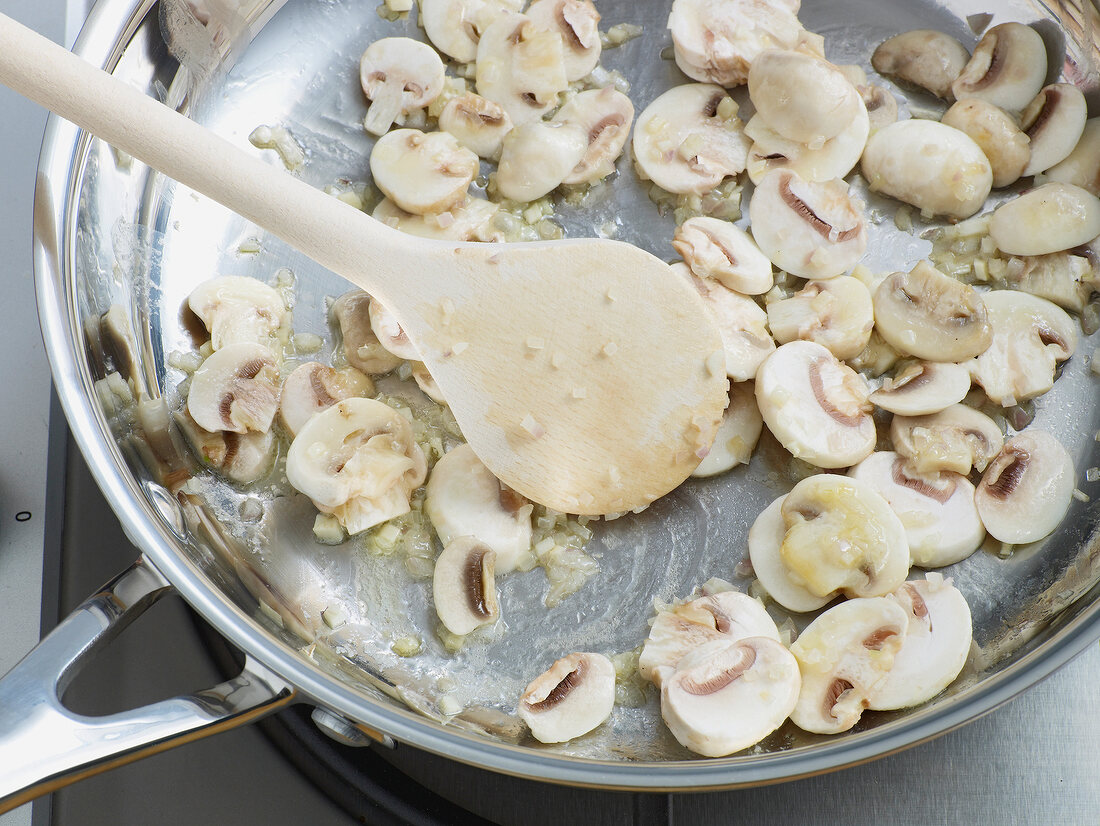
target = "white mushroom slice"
x: 313, y: 387
x: 845, y: 655
x: 1062, y: 277
x: 455, y: 26
x: 426, y: 383
x: 813, y: 230
x: 464, y: 586
x: 934, y: 649
x: 351, y: 311
x: 390, y: 333
x: 1030, y: 336
x: 690, y: 138
x: 358, y: 461
x: 716, y: 41
x: 881, y: 105
x: 537, y: 157
x: 570, y: 698
x: 398, y: 75
x: 737, y: 434
x: 465, y: 499
x: 995, y: 131
x: 237, y: 309
x: 422, y: 173
x: 815, y: 405
x: 934, y: 167
x: 717, y: 249
x: 955, y: 439
x: 836, y: 314
x: 937, y: 509
x: 833, y: 159
x: 803, y: 98
x: 577, y: 23
x: 931, y: 315
x: 1050, y: 218
x: 926, y: 58
x: 1027, y: 489
x: 1054, y: 121
x: 472, y: 220
x: 235, y: 389
x: 521, y: 67
x: 1082, y: 166
x: 728, y: 616
x: 605, y: 116
x: 240, y: 457
x: 725, y: 697
x: 477, y: 123
x: 764, y: 541
x: 922, y: 387
x: 1007, y: 68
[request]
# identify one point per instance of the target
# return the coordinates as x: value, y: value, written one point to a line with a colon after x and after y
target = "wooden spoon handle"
x: 334, y: 234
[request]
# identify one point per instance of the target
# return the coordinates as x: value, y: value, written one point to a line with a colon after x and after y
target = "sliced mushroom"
x: 237, y: 309
x: 1062, y: 277
x: 577, y: 23
x: 1030, y: 336
x: 1054, y: 121
x: 390, y: 333
x: 455, y: 26
x: 727, y: 696
x: 728, y: 616
x: 464, y: 586
x: 937, y: 509
x: 833, y: 159
x: 716, y: 41
x: 605, y: 116
x: 717, y: 249
x: 764, y: 541
x: 236, y: 389
x: 465, y: 499
x: 934, y: 649
x: 351, y: 311
x: 1007, y: 68
x: 358, y: 461
x: 815, y: 405
x: 737, y: 434
x: 477, y: 123
x: 923, y: 57
x: 845, y: 655
x: 813, y: 230
x: 398, y: 75
x: 537, y: 157
x: 570, y: 698
x: 243, y: 458
x: 803, y: 98
x: 931, y: 315
x: 995, y: 131
x: 690, y: 138
x: 313, y: 387
x: 1050, y: 218
x: 471, y: 220
x: 881, y: 105
x: 934, y: 167
x: 521, y: 67
x: 1082, y: 166
x: 955, y: 439
x: 741, y: 322
x: 919, y: 388
x: 423, y: 173
x: 1027, y: 488
x: 426, y: 383
x: 836, y: 314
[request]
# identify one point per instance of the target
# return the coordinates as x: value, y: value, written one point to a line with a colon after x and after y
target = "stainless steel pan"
x: 118, y: 248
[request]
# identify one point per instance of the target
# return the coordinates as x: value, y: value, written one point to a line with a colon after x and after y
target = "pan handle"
x: 44, y: 746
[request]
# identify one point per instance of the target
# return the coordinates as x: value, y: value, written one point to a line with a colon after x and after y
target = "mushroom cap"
x: 235, y: 389
x: 576, y: 21
x: 919, y: 388
x: 1082, y: 166
x: 390, y: 333
x: 362, y: 349
x: 426, y: 382
x: 726, y: 696
x: 957, y: 438
x: 1054, y: 121
x: 764, y: 541
x: 836, y: 313
x: 570, y: 698
x: 464, y: 586
x: 472, y: 220
x: 934, y: 167
x: 718, y: 249
x: 1049, y: 218
x: 815, y: 405
x: 605, y: 116
x: 934, y: 648
x: 521, y: 67
x: 313, y: 387
x: 398, y: 75
x: 1027, y: 488
x: 423, y: 173
x: 937, y: 509
x: 845, y: 655
x: 931, y: 315
x: 803, y: 98
x: 833, y: 159
x: 236, y: 309
x: 455, y: 26
x: 737, y: 434
x: 477, y: 123
x: 537, y: 157
x: 465, y: 499
x: 995, y: 131
x: 922, y: 57
x: 1007, y: 69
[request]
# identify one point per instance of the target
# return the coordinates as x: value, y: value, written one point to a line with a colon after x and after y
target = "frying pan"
x: 117, y: 250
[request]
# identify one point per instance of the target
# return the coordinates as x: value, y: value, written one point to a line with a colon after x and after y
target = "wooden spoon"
x: 585, y: 374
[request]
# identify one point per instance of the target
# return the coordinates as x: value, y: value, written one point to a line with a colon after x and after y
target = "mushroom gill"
x: 819, y: 225
x: 559, y: 692
x: 745, y: 656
